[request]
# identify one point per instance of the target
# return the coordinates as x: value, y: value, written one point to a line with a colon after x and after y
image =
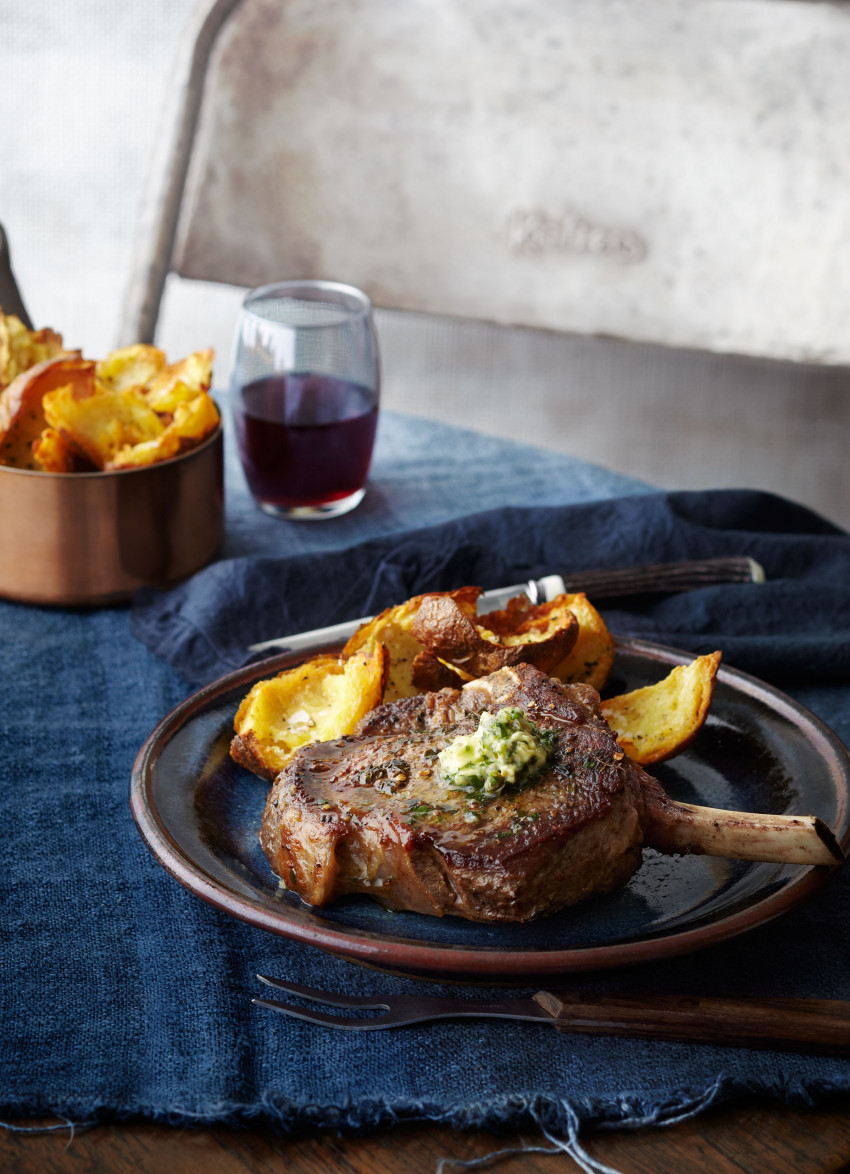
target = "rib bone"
x: 673, y: 827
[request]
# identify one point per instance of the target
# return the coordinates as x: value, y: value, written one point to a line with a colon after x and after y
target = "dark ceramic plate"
x: 199, y: 813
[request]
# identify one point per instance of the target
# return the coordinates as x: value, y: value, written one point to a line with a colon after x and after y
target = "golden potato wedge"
x: 393, y: 629
x: 98, y: 421
x: 21, y: 349
x: 656, y: 722
x: 63, y: 414
x: 543, y: 639
x: 131, y: 366
x: 146, y: 452
x: 315, y: 702
x: 53, y: 455
x: 181, y: 381
x: 21, y: 405
x: 592, y: 654
x: 521, y: 618
x: 167, y: 402
x: 193, y: 422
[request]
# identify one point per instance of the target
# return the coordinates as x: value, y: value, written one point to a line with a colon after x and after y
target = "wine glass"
x: 305, y: 387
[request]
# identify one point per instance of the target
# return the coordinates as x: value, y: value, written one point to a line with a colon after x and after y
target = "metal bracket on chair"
x: 162, y: 206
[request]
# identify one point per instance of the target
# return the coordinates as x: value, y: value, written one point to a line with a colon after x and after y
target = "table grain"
x: 748, y: 1138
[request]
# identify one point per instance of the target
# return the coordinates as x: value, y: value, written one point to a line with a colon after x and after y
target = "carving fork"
x: 820, y: 1026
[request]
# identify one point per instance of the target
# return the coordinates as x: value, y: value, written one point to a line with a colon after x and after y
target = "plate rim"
x: 437, y: 960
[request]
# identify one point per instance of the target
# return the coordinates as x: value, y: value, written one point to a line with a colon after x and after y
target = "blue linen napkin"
x: 122, y: 994
x: 795, y: 627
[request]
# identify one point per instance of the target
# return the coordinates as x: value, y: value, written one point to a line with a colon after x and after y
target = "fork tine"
x: 331, y: 998
x: 312, y: 1015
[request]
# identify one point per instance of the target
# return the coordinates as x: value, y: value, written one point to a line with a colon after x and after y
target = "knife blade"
x: 603, y: 584
x: 538, y: 591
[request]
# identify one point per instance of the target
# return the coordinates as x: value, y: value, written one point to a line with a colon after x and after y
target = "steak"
x: 368, y: 814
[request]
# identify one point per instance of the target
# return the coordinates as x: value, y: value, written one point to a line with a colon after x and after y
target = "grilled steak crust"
x: 367, y: 814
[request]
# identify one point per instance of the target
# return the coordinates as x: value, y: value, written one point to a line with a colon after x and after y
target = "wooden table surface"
x: 753, y: 1138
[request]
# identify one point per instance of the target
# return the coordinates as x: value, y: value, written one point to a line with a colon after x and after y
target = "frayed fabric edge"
x: 558, y: 1118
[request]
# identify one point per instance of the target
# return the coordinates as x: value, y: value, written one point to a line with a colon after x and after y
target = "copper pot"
x: 90, y: 538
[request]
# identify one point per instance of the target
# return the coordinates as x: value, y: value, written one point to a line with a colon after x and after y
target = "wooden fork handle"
x: 811, y: 1025
x: 665, y: 578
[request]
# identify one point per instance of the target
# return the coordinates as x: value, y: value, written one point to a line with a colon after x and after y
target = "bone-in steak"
x: 367, y: 813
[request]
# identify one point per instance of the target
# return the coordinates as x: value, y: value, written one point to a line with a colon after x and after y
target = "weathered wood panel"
x: 668, y: 171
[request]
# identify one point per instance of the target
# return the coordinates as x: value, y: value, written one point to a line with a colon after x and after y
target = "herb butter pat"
x: 506, y: 749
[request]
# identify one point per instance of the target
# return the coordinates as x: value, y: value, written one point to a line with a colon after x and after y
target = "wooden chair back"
x: 663, y: 172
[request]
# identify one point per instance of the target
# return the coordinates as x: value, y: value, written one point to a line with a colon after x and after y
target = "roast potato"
x: 21, y: 349
x: 22, y: 418
x: 118, y: 430
x: 66, y: 414
x: 193, y: 420
x: 589, y: 659
x: 593, y: 652
x: 430, y: 674
x: 318, y: 701
x: 393, y: 628
x: 386, y: 659
x: 163, y: 385
x: 179, y: 382
x: 99, y: 422
x: 657, y: 721
x: 131, y: 366
x: 54, y: 455
x: 542, y: 638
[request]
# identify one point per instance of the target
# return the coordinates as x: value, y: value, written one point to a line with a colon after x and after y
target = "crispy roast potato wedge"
x: 430, y: 674
x: 193, y: 421
x: 415, y: 668
x: 54, y: 455
x: 592, y: 655
x: 22, y: 419
x: 542, y: 638
x: 386, y: 659
x: 21, y: 349
x: 131, y: 366
x: 393, y: 628
x: 656, y: 722
x: 315, y: 702
x: 164, y: 385
x: 99, y: 422
x: 590, y: 658
x: 178, y: 382
x: 63, y: 414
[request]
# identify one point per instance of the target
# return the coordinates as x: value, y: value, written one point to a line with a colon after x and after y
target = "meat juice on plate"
x: 306, y: 438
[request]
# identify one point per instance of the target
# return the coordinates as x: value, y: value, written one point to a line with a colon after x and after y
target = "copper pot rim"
x: 107, y: 474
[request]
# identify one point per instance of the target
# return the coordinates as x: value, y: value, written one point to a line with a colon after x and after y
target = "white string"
x: 569, y: 1146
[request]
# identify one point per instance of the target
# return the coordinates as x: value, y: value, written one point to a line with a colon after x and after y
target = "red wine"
x: 305, y: 439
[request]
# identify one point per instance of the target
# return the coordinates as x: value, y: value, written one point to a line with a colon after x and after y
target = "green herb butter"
x: 506, y: 749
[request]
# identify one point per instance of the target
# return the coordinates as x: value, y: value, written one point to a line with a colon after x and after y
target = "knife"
x: 604, y: 584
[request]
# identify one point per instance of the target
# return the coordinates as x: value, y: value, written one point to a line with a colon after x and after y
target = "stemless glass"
x: 305, y: 386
